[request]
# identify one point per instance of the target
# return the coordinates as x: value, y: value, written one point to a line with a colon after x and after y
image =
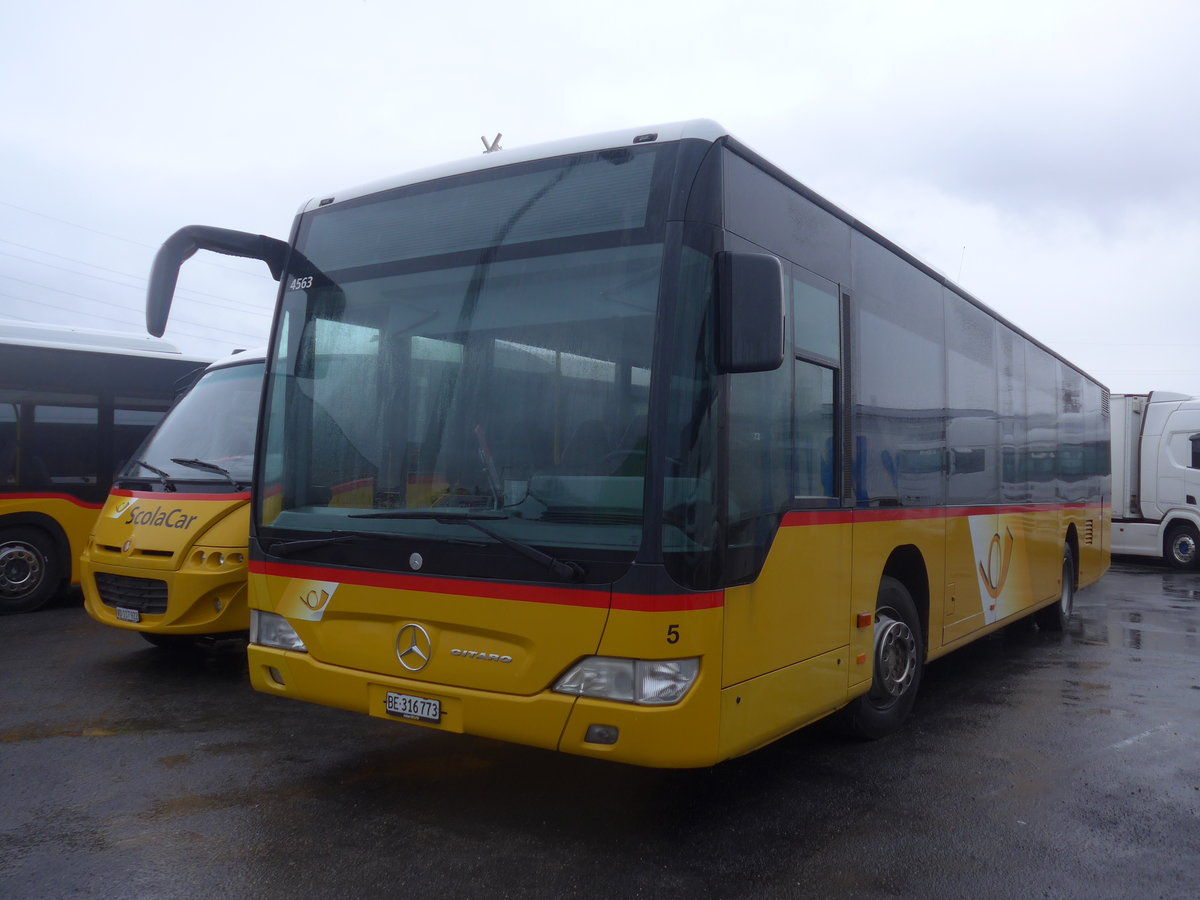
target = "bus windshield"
x: 475, y: 344
x: 208, y: 436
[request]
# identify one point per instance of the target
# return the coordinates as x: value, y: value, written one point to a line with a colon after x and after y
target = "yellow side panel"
x: 1094, y: 524
x: 798, y: 608
x: 765, y: 708
x: 998, y: 566
x: 1038, y: 569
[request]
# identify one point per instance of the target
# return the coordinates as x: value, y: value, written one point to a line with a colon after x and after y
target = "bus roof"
x: 88, y: 340
x: 696, y: 129
x: 701, y: 129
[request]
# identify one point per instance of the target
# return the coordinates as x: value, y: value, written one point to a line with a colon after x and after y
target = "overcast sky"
x: 1044, y: 154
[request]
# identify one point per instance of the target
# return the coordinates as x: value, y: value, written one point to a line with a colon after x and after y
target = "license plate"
x: 128, y: 615
x: 409, y: 707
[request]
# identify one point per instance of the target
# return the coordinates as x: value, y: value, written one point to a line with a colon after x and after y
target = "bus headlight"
x: 648, y: 682
x: 272, y: 630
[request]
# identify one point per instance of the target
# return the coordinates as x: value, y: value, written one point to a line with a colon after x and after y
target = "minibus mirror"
x: 185, y: 242
x: 749, y: 312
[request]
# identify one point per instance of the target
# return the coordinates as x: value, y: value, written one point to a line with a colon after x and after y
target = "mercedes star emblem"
x: 413, y: 647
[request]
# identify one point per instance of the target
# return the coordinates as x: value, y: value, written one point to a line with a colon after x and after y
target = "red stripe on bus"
x: 67, y: 497
x: 830, y: 517
x: 434, y: 585
x: 559, y: 596
x: 164, y: 495
x: 668, y: 602
x: 897, y: 514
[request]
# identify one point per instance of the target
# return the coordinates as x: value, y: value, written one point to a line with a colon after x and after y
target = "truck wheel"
x: 29, y: 572
x: 1181, y: 550
x: 1056, y: 617
x: 899, y: 659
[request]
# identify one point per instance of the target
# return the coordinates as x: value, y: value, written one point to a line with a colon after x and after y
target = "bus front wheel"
x: 29, y: 574
x: 899, y: 657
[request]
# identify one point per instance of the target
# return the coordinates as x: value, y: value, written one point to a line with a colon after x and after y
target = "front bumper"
x: 679, y: 736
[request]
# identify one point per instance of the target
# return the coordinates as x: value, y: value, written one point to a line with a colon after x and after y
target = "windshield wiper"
x: 163, y: 477
x: 208, y: 467
x: 287, y: 548
x: 564, y: 569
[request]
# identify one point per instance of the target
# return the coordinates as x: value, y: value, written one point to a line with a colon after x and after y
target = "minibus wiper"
x: 208, y: 467
x: 163, y: 477
x: 566, y: 570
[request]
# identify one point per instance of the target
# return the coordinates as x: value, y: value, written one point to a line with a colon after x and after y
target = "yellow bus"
x: 74, y: 404
x: 636, y: 448
x: 167, y: 556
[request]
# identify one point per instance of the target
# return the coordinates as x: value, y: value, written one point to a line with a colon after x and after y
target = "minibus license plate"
x: 128, y: 615
x: 409, y: 707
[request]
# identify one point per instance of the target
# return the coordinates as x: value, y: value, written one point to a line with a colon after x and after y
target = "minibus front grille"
x: 146, y: 595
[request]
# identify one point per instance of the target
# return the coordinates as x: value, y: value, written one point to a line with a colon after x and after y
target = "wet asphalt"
x: 1034, y: 765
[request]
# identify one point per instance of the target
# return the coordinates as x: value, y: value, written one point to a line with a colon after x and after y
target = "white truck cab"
x: 1156, y: 476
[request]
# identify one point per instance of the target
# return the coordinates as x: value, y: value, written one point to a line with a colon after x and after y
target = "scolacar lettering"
x: 159, y: 518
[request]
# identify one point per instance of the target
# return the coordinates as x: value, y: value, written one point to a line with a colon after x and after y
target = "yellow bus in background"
x: 167, y: 556
x: 74, y: 405
x: 636, y: 448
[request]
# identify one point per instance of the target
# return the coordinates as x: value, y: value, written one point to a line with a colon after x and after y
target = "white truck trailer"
x: 1156, y: 476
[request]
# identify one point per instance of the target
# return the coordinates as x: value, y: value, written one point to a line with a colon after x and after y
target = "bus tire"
x: 1181, y: 545
x: 899, y: 659
x: 1056, y: 616
x: 30, y: 573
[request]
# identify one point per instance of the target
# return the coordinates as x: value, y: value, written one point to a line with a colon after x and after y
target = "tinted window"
x: 761, y: 209
x: 816, y: 321
x: 972, y: 436
x: 1041, y: 394
x: 900, y: 388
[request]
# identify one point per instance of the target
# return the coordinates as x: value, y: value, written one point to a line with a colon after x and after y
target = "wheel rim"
x: 1183, y: 548
x: 1066, y: 601
x: 895, y: 657
x: 21, y: 570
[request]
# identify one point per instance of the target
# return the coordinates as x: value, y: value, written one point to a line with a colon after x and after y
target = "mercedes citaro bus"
x: 75, y: 403
x: 167, y: 556
x: 634, y: 447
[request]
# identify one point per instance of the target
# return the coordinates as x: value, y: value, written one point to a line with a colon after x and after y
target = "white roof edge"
x: 701, y: 129
x: 240, y: 357
x: 89, y: 340
x: 1168, y: 397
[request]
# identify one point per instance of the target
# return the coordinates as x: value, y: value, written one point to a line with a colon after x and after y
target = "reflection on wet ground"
x: 1034, y: 764
x: 1144, y: 608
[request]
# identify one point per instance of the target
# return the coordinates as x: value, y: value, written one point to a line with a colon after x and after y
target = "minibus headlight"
x: 648, y: 682
x: 272, y: 630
